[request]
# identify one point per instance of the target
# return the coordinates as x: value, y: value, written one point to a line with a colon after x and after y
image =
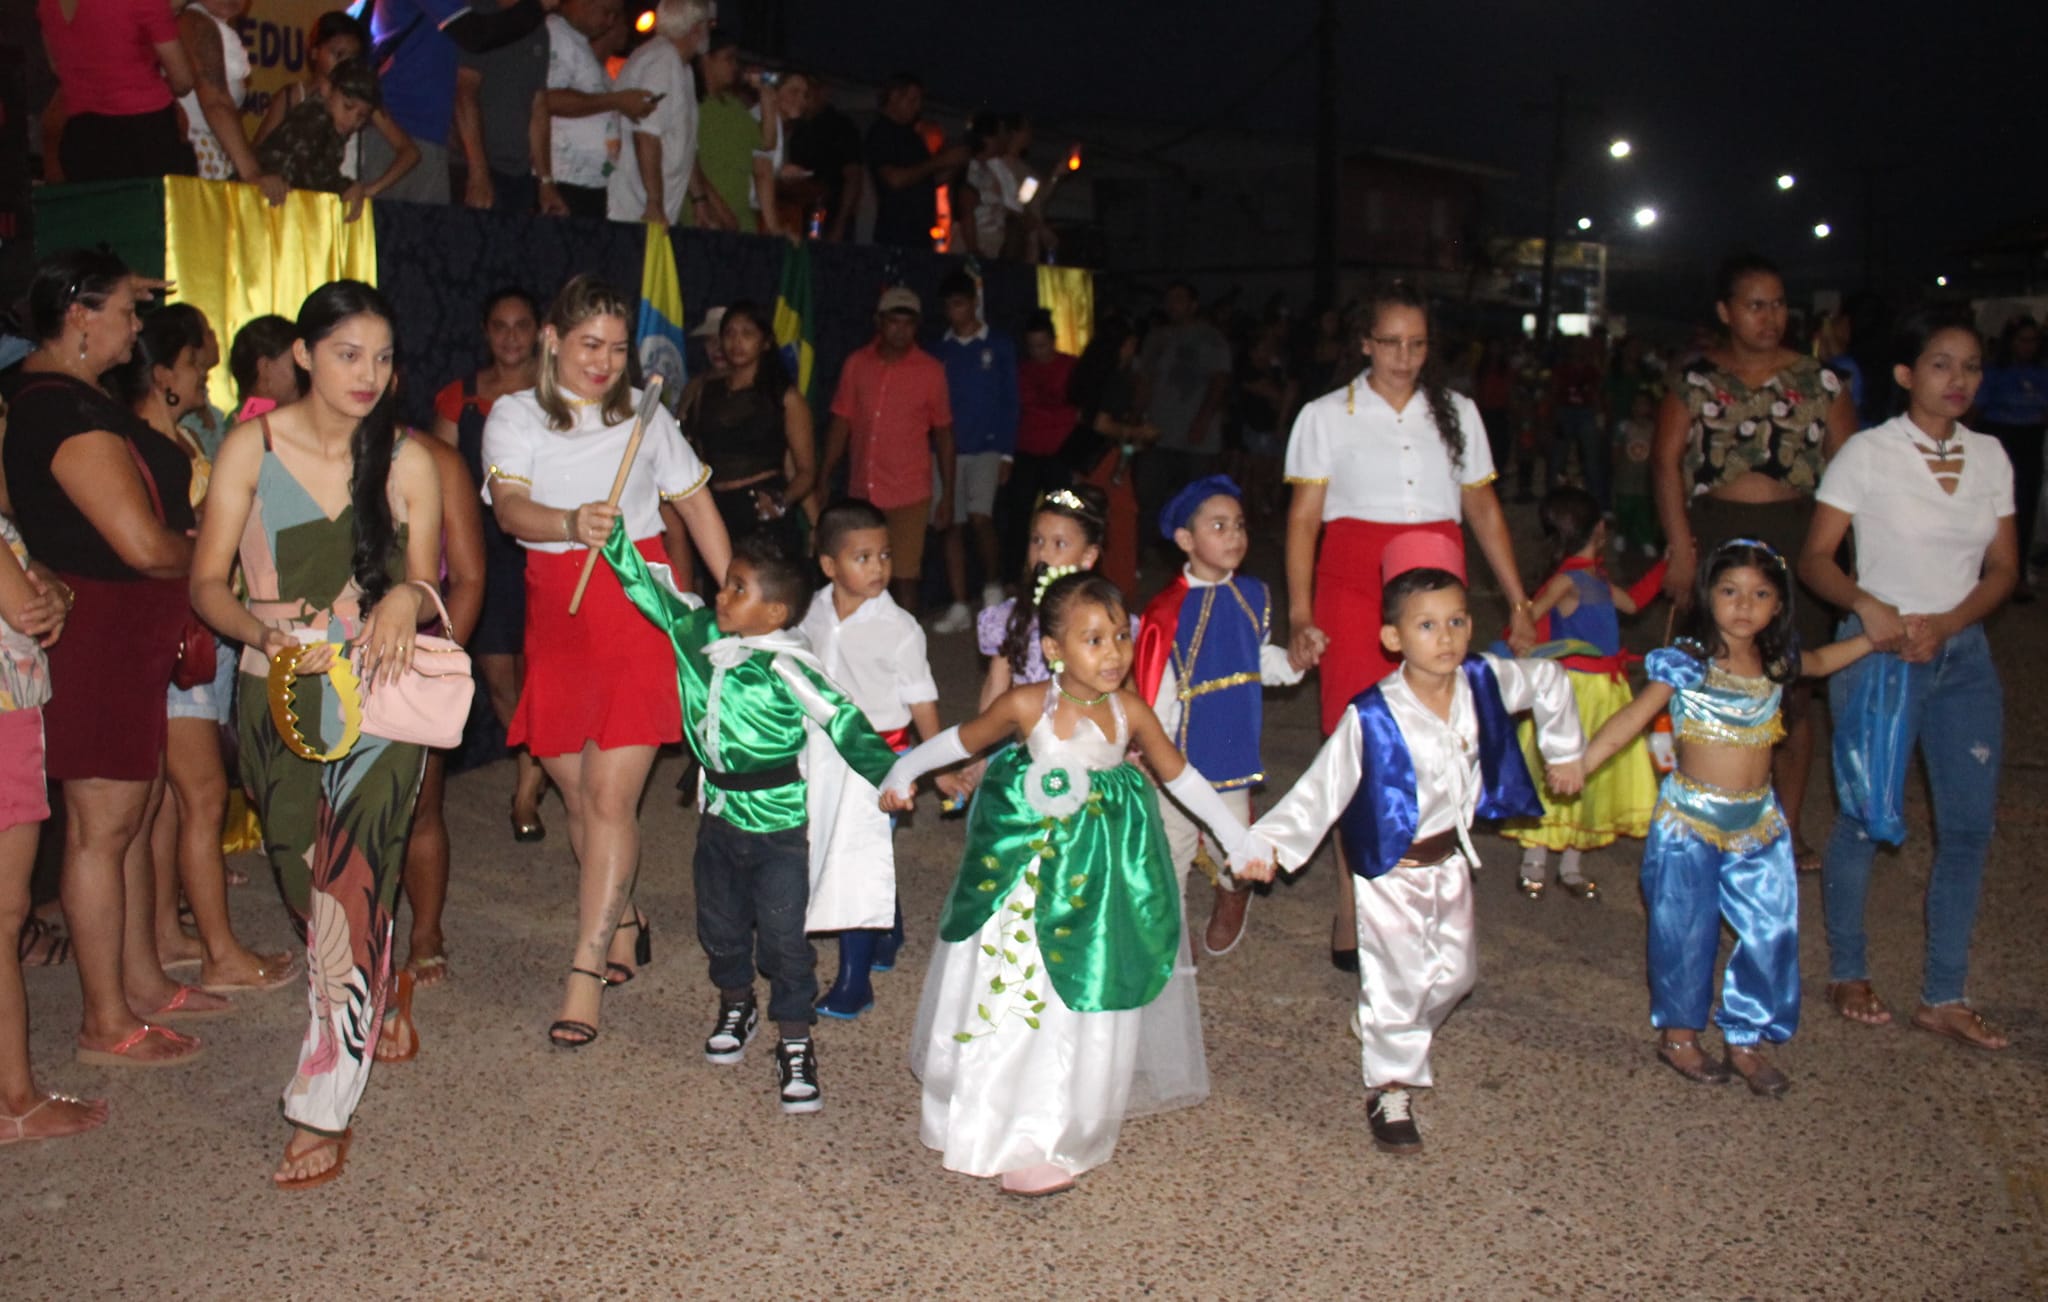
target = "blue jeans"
x: 752, y: 890
x: 1957, y: 721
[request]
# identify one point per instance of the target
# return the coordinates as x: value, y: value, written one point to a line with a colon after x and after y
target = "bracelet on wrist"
x: 569, y: 525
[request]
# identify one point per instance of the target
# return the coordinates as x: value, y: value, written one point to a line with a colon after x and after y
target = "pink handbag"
x: 429, y: 704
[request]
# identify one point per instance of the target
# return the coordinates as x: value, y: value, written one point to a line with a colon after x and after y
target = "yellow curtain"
x: 235, y: 258
x: 1069, y: 294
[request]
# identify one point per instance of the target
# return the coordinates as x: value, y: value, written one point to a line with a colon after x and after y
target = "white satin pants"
x: 1417, y: 957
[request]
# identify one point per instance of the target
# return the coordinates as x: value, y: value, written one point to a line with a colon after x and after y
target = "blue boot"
x: 852, y: 993
x: 889, y: 945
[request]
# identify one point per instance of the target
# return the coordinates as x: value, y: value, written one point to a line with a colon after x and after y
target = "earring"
x: 81, y: 346
x: 1057, y: 665
x: 170, y: 399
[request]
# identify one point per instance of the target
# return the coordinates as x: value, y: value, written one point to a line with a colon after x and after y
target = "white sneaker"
x: 992, y: 594
x: 957, y: 619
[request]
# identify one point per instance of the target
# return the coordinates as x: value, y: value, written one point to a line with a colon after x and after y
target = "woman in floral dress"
x: 328, y: 510
x: 1742, y: 438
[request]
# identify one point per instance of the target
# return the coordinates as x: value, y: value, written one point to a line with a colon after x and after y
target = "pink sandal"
x: 119, y: 1055
x: 175, y: 1010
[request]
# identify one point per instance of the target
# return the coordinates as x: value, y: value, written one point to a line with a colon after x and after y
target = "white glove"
x: 944, y: 749
x: 1196, y: 796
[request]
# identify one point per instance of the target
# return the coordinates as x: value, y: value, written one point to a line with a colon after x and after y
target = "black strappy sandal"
x: 568, y: 1033
x: 618, y: 974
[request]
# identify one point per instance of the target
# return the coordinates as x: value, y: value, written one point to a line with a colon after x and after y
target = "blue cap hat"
x: 1187, y: 501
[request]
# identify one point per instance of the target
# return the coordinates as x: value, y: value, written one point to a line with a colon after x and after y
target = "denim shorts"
x: 212, y: 700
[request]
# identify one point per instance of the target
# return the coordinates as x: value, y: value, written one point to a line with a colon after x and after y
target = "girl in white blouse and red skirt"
x: 600, y: 690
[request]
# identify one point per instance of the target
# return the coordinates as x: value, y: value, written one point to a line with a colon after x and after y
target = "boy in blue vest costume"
x: 1413, y: 761
x: 1205, y: 657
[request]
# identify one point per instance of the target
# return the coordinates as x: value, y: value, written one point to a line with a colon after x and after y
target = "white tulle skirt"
x: 1013, y: 1096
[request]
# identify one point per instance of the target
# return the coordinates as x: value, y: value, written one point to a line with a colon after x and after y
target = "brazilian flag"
x: 796, y: 323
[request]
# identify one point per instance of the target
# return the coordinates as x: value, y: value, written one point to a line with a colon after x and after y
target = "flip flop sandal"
x: 174, y: 1010
x: 420, y: 967
x: 339, y: 1143
x: 20, y: 1123
x: 267, y: 978
x: 119, y: 1054
x: 1843, y: 995
x: 1949, y: 1030
x: 1709, y: 1072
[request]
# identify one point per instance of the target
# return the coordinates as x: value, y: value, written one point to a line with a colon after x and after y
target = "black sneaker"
x: 737, y: 1025
x: 797, y: 1061
x: 1393, y: 1129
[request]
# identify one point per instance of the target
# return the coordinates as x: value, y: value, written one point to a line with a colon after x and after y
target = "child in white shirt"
x: 875, y: 650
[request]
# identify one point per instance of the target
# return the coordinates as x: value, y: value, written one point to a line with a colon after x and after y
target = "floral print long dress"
x: 335, y: 832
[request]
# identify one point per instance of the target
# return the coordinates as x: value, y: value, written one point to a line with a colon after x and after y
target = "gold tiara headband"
x: 1065, y: 497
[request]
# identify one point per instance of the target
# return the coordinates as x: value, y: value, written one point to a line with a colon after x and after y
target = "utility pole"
x: 1326, y: 152
x: 1547, y: 295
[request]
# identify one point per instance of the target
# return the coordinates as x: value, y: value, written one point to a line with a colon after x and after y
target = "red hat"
x: 1422, y: 549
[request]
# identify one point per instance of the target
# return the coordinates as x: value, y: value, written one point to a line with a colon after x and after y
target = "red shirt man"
x: 892, y: 410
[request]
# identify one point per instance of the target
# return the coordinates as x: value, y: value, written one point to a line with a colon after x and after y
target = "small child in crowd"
x: 1576, y: 613
x: 314, y: 144
x: 1635, y: 513
x: 753, y: 698
x: 1718, y: 846
x: 1414, y: 759
x: 260, y: 360
x: 875, y: 650
x: 1204, y: 652
x: 1066, y: 534
x: 1063, y: 924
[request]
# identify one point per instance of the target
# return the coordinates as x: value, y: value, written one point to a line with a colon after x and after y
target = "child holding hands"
x: 1413, y: 760
x: 1063, y: 924
x: 1577, y: 611
x: 1718, y: 845
x: 875, y: 651
x: 1205, y: 655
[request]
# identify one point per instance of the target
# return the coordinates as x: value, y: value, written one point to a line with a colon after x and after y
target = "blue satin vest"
x: 1379, y: 824
x: 1216, y: 665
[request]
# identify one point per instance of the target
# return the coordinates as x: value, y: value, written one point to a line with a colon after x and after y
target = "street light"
x: 1821, y: 230
x: 1786, y: 180
x: 1620, y: 149
x: 1646, y: 216
x: 1585, y: 223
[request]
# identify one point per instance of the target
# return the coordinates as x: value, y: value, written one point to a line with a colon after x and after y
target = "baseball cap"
x: 899, y: 298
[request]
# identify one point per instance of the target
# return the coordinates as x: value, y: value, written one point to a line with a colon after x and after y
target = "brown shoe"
x: 1226, y: 921
x: 1700, y: 1069
x: 1764, y: 1080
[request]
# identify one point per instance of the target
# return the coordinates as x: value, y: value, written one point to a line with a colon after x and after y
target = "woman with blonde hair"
x: 600, y: 691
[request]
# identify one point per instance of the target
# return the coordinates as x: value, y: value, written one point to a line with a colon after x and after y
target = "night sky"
x: 1944, y: 101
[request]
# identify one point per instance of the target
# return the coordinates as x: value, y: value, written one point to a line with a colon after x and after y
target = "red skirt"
x: 109, y: 674
x: 605, y: 674
x: 1347, y: 607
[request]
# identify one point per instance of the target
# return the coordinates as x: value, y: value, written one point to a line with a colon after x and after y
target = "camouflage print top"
x: 1776, y: 429
x: 306, y: 150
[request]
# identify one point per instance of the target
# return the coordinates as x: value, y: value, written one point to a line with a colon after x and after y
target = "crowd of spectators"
x: 580, y: 108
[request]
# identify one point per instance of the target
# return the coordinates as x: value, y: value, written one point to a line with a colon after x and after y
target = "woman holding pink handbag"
x: 328, y: 509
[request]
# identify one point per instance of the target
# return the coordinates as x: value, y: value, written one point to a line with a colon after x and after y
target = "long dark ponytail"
x: 370, y: 447
x: 1430, y: 383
